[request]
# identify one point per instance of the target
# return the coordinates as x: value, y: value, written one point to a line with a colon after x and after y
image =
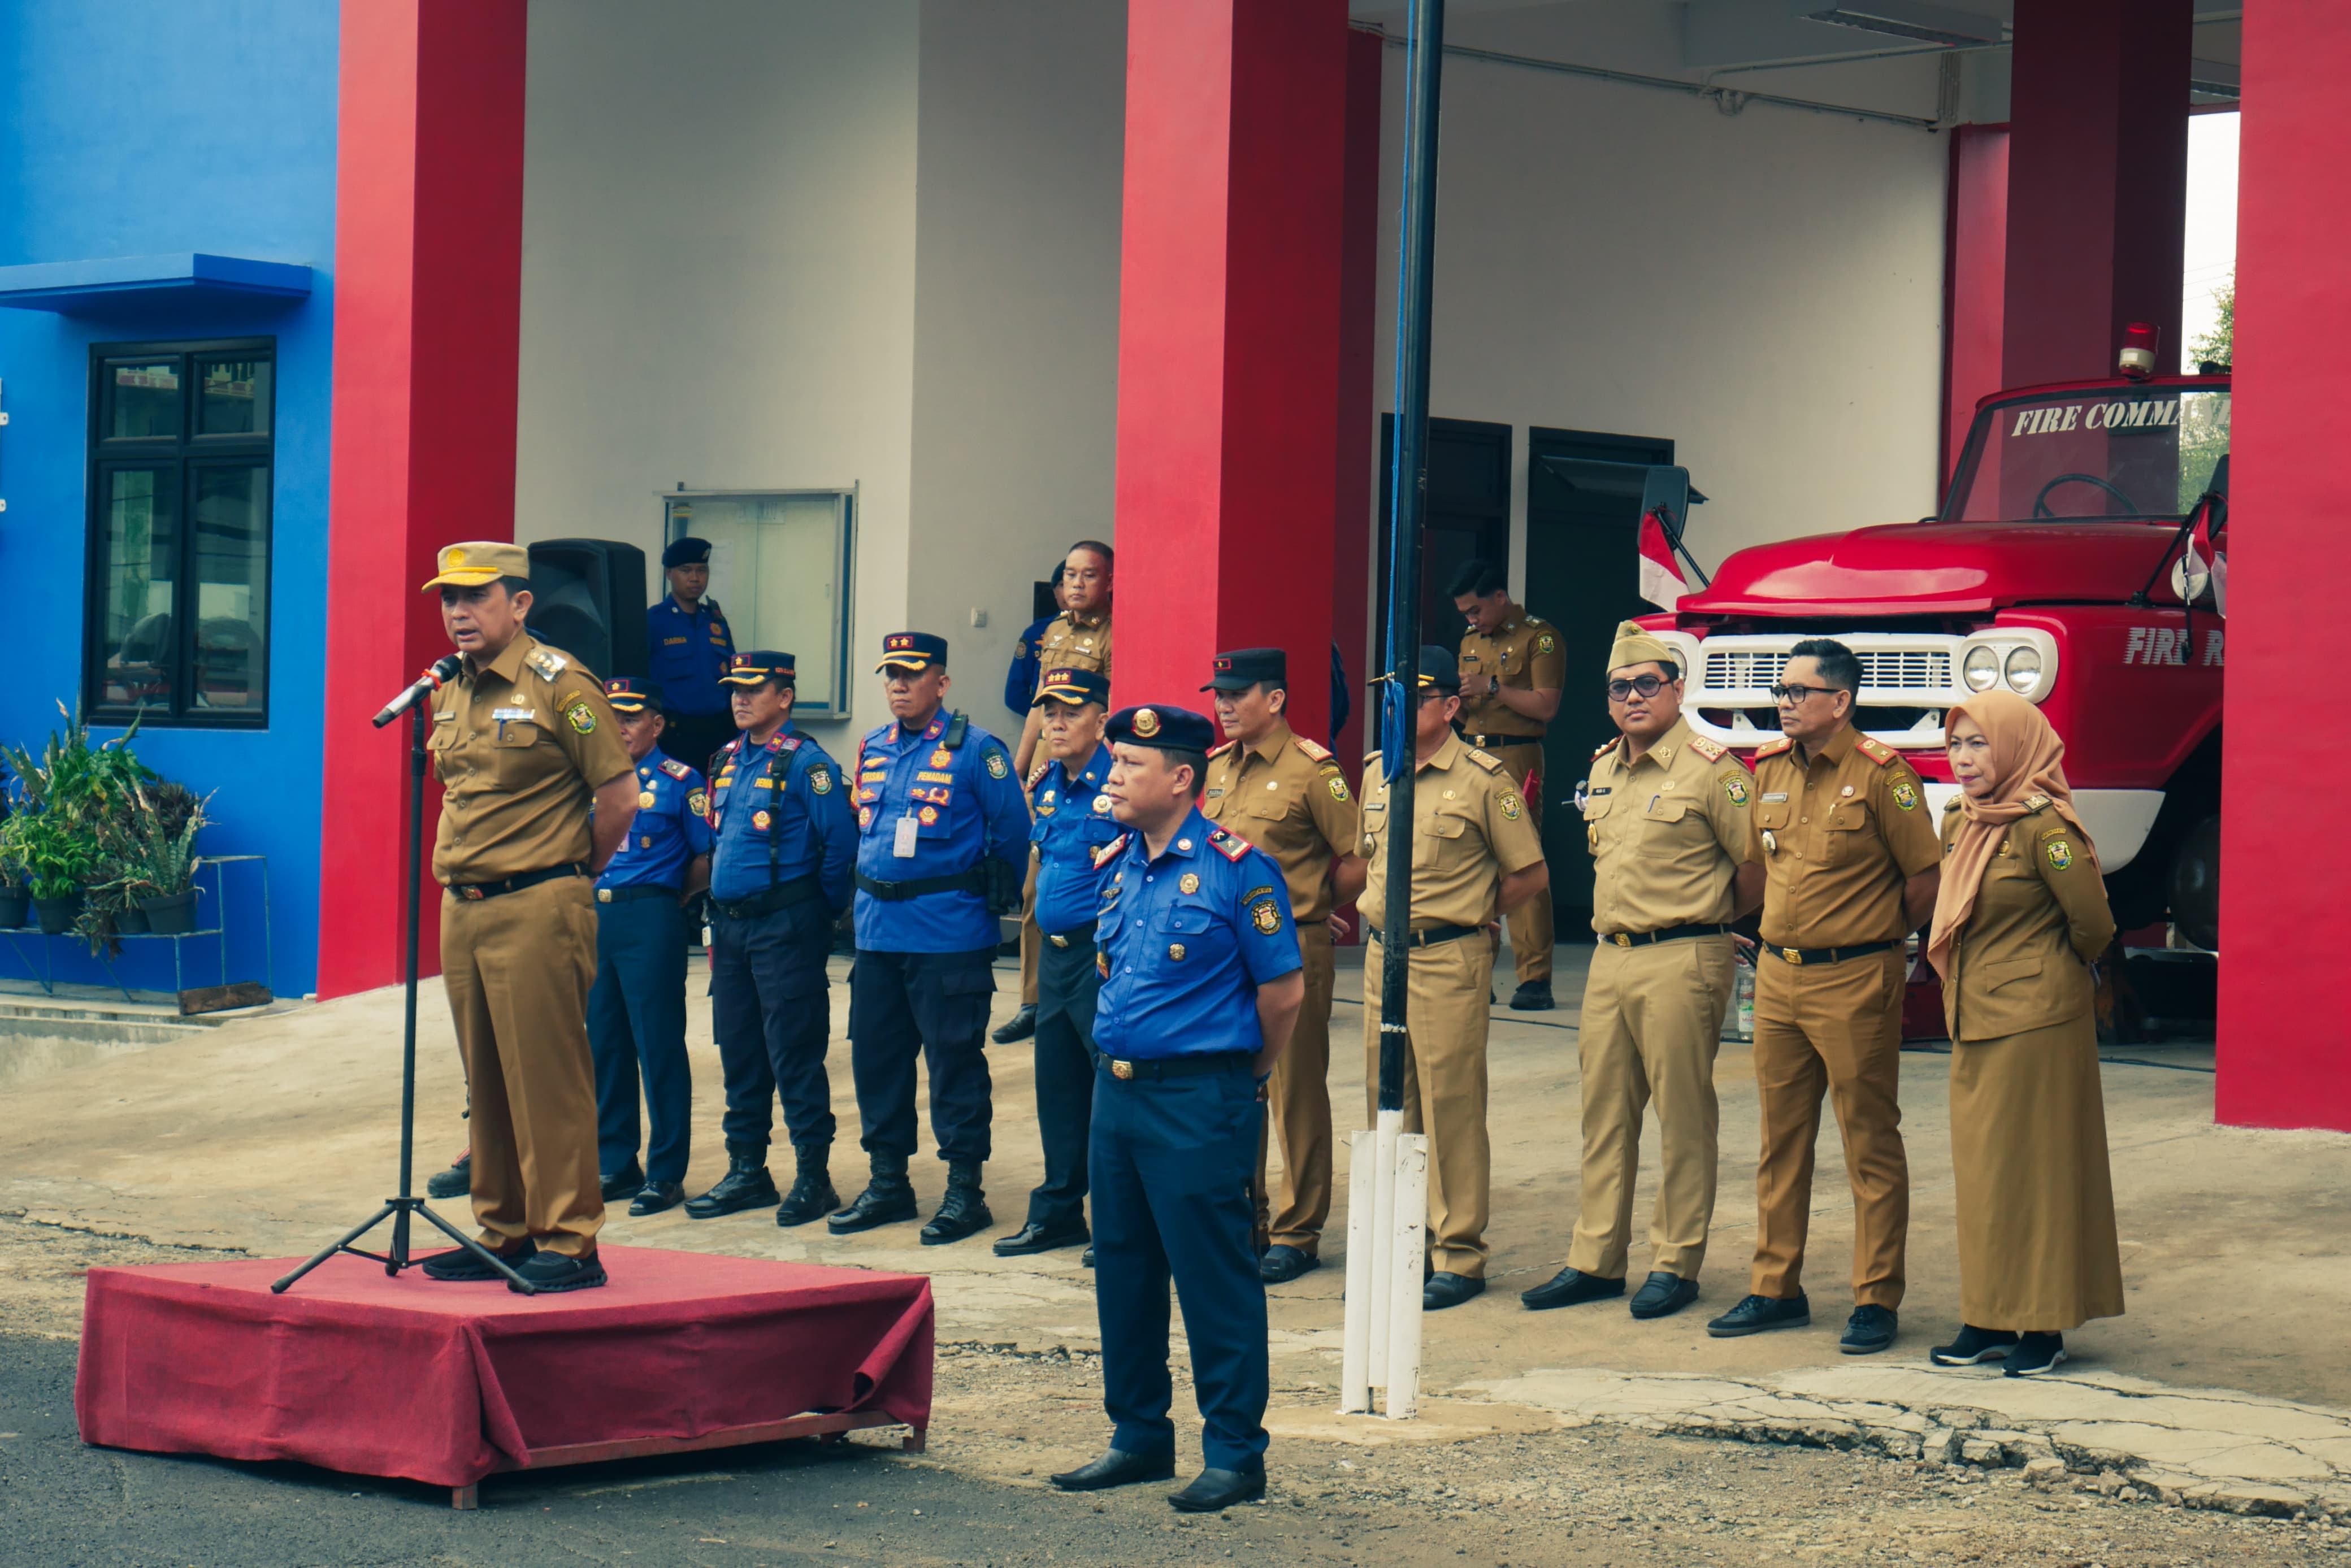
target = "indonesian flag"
x: 2205, y: 553
x: 1662, y: 583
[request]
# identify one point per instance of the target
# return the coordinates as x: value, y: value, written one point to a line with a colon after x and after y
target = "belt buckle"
x: 471, y: 890
x: 1623, y: 939
x: 1794, y: 955
x: 1059, y: 941
x: 603, y: 896
x: 1121, y: 1069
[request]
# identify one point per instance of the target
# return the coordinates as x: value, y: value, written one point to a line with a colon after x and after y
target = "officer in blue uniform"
x: 1020, y: 680
x: 942, y: 840
x: 636, y: 1010
x: 691, y: 645
x: 778, y: 881
x: 1073, y: 823
x: 1202, y: 983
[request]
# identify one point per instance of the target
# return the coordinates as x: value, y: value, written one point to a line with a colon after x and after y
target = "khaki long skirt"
x: 2036, y: 1204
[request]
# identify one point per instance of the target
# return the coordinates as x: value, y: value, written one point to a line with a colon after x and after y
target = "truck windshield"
x: 2139, y: 452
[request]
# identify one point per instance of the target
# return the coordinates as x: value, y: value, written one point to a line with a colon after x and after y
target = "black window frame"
x: 186, y: 453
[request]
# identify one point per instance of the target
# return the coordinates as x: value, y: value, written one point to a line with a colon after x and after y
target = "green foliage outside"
x: 2219, y: 345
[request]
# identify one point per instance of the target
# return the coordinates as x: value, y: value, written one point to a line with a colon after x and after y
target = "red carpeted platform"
x: 447, y: 1384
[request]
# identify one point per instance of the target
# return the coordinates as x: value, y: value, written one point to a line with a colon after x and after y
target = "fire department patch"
x: 1511, y: 805
x: 1546, y: 642
x: 1176, y: 951
x: 1266, y: 915
x: 645, y: 800
x: 1338, y: 787
x: 580, y: 716
x: 1904, y: 795
x: 865, y: 816
x: 698, y: 803
x: 1735, y: 786
x: 927, y: 816
x: 759, y: 820
x: 1189, y: 883
x: 997, y: 767
x: 2060, y: 853
x: 820, y: 780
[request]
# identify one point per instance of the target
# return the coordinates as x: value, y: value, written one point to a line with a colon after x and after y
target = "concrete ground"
x: 2223, y: 1386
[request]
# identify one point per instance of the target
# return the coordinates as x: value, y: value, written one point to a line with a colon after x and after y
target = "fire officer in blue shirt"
x: 943, y: 840
x: 1201, y: 985
x: 691, y: 645
x: 778, y: 881
x: 1073, y: 824
x: 636, y: 1010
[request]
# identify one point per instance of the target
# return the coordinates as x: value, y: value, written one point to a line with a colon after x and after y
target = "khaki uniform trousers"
x: 517, y: 970
x: 1838, y: 1027
x: 1450, y: 988
x: 1299, y: 1095
x: 1031, y: 937
x: 1652, y: 1021
x: 1529, y: 923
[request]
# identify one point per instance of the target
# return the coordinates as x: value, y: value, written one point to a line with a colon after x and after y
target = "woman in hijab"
x: 2021, y: 913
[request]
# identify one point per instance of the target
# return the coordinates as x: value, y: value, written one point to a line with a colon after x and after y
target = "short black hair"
x: 1480, y: 576
x: 1060, y: 567
x: 1109, y: 556
x: 514, y: 585
x: 1838, y: 666
x: 1197, y: 761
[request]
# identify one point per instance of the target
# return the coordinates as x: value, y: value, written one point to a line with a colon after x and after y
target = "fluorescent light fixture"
x: 1921, y: 21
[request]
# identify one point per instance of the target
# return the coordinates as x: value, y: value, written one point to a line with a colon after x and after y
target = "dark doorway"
x: 1583, y: 576
x: 1469, y: 515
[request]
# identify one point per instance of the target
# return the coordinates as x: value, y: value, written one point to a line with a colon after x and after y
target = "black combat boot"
x: 963, y: 1211
x: 745, y: 1184
x: 812, y: 1196
x: 888, y: 1198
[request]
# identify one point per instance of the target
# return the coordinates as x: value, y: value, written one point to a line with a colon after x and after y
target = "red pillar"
x: 2285, y: 1049
x: 1229, y: 342
x: 428, y: 258
x: 1975, y: 282
x: 2097, y: 183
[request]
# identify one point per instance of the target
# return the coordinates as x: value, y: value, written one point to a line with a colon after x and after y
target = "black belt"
x: 1670, y: 934
x: 1174, y: 1066
x: 516, y: 883
x: 972, y: 881
x: 783, y: 896
x: 1429, y: 935
x: 634, y: 891
x: 1075, y: 933
x: 1493, y: 741
x: 1802, y: 956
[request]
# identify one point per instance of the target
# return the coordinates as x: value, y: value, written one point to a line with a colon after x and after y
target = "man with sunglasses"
x: 1664, y: 814
x: 1851, y: 860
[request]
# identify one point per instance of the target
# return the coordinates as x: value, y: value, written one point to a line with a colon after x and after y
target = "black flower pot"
x: 173, y: 915
x: 57, y: 915
x: 15, y: 906
x: 130, y: 921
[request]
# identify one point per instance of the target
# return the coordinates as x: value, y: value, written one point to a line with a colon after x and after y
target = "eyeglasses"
x: 1786, y: 694
x: 1648, y: 685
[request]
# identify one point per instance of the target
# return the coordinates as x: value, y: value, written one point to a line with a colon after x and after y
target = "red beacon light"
x: 2136, y: 360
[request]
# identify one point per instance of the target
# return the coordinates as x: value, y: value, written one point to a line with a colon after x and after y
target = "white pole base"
x: 1388, y: 1210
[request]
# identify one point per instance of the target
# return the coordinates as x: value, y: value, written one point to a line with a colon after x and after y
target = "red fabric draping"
x: 448, y: 1383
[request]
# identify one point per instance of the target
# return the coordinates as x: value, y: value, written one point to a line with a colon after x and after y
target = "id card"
x: 902, y: 845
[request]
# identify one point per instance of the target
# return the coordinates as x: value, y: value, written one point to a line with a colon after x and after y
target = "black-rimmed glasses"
x: 1788, y: 694
x: 1648, y: 685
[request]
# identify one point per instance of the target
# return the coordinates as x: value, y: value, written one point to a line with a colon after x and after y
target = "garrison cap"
x: 686, y: 551
x: 756, y: 669
x: 1636, y: 645
x: 479, y: 562
x: 1075, y: 687
x: 630, y: 697
x: 1245, y: 667
x: 913, y: 652
x: 1168, y: 728
x: 1437, y: 670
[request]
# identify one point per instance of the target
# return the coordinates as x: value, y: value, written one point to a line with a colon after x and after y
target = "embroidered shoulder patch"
x: 1337, y: 785
x: 1510, y: 803
x: 580, y: 716
x: 1546, y: 642
x: 998, y: 768
x: 698, y: 803
x: 1735, y: 786
x: 1109, y: 851
x: 1266, y: 915
x: 1490, y: 764
x: 2060, y: 853
x: 1904, y: 795
x: 1230, y: 846
x: 820, y: 778
x: 1712, y: 751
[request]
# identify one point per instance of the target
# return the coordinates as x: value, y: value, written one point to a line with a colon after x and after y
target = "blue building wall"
x: 140, y: 128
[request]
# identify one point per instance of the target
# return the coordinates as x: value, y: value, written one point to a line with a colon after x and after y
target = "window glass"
x: 234, y: 398
x: 777, y: 563
x: 232, y: 585
x: 139, y: 630
x: 144, y: 399
x: 2092, y: 453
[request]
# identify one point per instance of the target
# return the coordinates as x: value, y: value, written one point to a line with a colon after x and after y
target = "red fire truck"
x: 2058, y: 567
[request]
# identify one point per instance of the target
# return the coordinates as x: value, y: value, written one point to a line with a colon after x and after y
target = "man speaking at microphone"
x: 524, y: 743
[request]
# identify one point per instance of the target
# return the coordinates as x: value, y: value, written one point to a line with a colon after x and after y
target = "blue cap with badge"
x: 913, y: 652
x: 630, y: 696
x: 1074, y: 687
x: 756, y: 669
x: 1167, y: 728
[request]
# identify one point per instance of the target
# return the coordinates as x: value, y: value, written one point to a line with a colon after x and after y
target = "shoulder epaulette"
x: 2036, y: 804
x: 1319, y: 752
x: 1230, y: 846
x: 1036, y: 774
x: 675, y: 768
x: 1220, y: 750
x: 958, y: 726
x: 1773, y: 747
x: 715, y: 611
x: 1370, y: 758
x: 1607, y: 746
x: 1110, y: 850
x: 1490, y: 764
x: 1877, y: 751
x: 1710, y: 751
x: 547, y: 661
x: 1951, y: 805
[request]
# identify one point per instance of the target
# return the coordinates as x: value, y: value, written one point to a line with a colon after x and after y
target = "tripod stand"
x: 398, y: 1210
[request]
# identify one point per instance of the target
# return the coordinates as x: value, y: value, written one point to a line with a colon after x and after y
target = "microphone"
x: 428, y: 682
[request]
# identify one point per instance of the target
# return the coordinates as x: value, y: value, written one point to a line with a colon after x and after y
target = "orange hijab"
x: 2027, y: 760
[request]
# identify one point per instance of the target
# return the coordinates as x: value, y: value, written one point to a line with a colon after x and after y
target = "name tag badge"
x: 903, y: 844
x: 1775, y: 796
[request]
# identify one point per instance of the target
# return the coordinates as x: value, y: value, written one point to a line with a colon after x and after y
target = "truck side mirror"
x: 1666, y: 492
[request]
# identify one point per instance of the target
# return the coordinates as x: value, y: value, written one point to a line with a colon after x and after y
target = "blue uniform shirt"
x: 1020, y: 680
x: 787, y: 793
x: 667, y: 831
x: 1185, y: 940
x: 689, y: 654
x: 1073, y: 824
x: 959, y: 805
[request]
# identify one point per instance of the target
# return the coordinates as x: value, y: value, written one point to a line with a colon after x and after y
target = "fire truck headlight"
x: 1982, y: 668
x: 2023, y: 670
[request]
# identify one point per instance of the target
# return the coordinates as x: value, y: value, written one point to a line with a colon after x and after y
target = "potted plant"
x: 57, y: 858
x: 16, y: 898
x: 165, y: 861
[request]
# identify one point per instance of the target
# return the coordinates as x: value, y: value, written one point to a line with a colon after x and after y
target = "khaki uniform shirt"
x: 1469, y: 831
x: 1668, y: 832
x: 1525, y: 654
x: 1071, y: 643
x: 520, y: 744
x: 2040, y: 916
x: 1287, y: 797
x: 1837, y: 841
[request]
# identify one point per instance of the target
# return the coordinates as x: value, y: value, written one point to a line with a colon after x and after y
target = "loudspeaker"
x: 588, y: 598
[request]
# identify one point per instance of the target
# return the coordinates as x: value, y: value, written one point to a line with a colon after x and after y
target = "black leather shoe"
x: 1117, y: 1469
x: 552, y: 1272
x: 1283, y: 1263
x: 1570, y: 1288
x: 1535, y: 997
x: 888, y: 1200
x: 2034, y: 1355
x: 657, y: 1197
x: 1664, y: 1294
x: 963, y: 1211
x: 1036, y: 1237
x: 1974, y: 1346
x: 1447, y: 1289
x: 462, y: 1265
x: 1215, y: 1490
x: 1869, y: 1331
x: 812, y: 1196
x: 622, y: 1183
x: 1018, y: 1027
x: 745, y: 1184
x: 1756, y: 1313
x: 455, y: 1182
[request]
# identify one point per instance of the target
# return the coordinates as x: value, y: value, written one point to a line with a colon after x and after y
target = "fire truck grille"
x: 1882, y: 669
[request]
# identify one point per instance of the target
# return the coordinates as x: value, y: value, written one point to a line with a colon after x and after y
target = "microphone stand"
x: 400, y: 1208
